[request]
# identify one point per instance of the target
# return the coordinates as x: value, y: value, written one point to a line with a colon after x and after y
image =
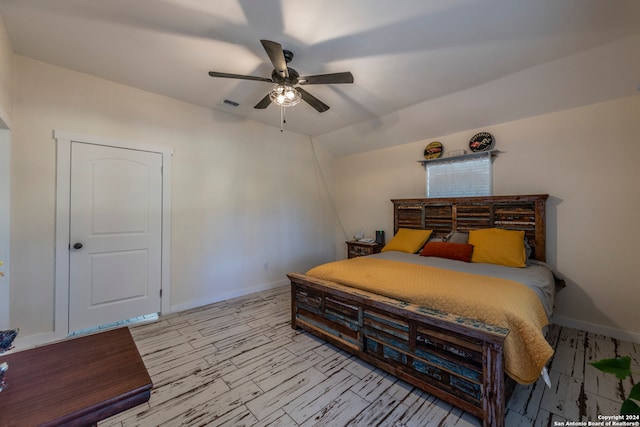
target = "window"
x: 468, y: 175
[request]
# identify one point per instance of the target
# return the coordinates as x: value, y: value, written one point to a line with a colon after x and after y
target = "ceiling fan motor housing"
x: 291, y: 80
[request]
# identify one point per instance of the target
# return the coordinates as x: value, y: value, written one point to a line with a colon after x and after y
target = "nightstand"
x: 356, y: 248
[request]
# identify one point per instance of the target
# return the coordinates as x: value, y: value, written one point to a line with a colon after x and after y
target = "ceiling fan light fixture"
x: 285, y: 95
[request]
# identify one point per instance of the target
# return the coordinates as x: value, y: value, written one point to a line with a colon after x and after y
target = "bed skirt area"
x: 458, y: 360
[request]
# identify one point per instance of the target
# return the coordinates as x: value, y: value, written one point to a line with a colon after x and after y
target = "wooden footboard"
x: 456, y: 359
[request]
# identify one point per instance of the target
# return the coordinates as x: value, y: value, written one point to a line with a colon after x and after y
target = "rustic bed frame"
x: 458, y: 360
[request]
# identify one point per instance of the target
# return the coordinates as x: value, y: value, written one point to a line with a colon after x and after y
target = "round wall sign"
x: 433, y: 150
x: 482, y: 141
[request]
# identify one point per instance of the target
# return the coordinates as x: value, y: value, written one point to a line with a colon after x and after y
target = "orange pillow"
x: 455, y: 251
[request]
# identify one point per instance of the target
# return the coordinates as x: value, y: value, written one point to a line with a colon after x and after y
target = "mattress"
x: 536, y: 275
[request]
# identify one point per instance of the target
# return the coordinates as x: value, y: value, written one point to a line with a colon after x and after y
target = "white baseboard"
x: 620, y: 334
x: 227, y: 295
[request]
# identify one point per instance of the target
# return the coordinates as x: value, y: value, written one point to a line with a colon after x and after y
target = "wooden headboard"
x: 443, y: 215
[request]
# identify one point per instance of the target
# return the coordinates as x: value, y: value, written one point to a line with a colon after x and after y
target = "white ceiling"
x: 429, y: 64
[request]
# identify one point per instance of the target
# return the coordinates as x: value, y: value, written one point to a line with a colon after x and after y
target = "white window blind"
x: 457, y: 177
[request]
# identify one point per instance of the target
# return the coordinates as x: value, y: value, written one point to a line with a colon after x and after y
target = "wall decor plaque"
x: 482, y: 141
x: 433, y: 150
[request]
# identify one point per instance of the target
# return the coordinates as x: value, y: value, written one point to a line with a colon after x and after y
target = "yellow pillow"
x: 498, y: 246
x: 408, y: 240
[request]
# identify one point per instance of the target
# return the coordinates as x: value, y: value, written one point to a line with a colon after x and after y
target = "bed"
x: 456, y: 357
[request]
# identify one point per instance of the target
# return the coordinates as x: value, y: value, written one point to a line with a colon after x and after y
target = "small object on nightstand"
x: 367, y: 240
x: 356, y: 248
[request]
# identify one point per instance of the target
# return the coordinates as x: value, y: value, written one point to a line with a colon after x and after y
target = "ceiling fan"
x: 286, y: 93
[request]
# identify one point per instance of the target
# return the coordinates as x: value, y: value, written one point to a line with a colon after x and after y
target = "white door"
x: 115, y: 234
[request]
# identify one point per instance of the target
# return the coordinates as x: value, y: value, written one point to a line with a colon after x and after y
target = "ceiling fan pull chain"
x: 282, y: 119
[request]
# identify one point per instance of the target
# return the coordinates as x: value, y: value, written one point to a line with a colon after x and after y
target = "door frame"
x: 62, y: 221
x: 5, y: 220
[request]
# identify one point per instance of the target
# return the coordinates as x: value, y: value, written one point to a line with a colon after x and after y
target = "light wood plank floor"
x: 239, y: 363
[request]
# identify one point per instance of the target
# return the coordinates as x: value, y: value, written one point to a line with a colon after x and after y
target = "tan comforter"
x: 492, y: 300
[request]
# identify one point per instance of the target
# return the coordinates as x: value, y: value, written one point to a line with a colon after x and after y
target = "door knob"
x: 77, y: 245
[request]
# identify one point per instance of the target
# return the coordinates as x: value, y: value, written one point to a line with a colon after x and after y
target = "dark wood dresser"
x: 76, y: 382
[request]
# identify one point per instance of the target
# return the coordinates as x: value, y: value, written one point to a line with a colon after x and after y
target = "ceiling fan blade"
x: 264, y: 103
x: 331, y: 78
x: 313, y: 101
x: 276, y: 55
x: 239, y: 76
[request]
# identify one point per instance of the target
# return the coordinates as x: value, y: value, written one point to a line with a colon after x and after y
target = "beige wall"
x: 6, y: 75
x: 243, y: 194
x: 585, y: 158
